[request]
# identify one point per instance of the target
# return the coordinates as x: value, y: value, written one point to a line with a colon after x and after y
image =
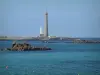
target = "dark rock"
x: 26, y: 47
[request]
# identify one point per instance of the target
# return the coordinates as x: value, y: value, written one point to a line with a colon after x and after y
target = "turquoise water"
x: 64, y: 59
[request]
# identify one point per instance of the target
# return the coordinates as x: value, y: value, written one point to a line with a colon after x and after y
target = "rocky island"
x: 25, y: 47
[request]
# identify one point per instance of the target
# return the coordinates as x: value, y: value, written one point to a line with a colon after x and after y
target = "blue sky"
x: 71, y: 18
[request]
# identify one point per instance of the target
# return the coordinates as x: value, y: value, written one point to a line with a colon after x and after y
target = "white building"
x: 41, y: 32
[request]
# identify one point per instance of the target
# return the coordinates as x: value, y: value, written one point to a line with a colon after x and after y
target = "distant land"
x: 53, y: 38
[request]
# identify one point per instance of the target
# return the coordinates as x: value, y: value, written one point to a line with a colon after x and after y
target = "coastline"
x: 47, y: 39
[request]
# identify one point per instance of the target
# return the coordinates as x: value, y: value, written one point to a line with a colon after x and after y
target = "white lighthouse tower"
x: 41, y: 32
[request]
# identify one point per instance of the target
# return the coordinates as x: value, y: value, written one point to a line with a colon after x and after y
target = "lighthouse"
x: 41, y: 32
x: 46, y: 25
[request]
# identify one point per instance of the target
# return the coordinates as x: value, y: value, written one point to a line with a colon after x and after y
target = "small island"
x: 25, y: 47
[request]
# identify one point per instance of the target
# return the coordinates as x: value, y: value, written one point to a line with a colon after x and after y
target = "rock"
x: 26, y: 47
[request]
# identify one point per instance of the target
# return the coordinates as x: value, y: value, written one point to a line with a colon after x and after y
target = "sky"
x: 70, y: 18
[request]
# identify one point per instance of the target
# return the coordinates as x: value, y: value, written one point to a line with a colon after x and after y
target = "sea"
x: 63, y: 59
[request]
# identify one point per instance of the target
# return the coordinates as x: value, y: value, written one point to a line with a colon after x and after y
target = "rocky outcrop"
x: 26, y: 47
